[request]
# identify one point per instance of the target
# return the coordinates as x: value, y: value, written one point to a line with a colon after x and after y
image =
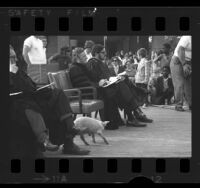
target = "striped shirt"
x: 143, y: 71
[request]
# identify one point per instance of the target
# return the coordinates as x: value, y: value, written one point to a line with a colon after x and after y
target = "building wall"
x: 54, y: 43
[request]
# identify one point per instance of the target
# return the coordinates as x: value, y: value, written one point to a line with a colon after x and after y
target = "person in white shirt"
x: 88, y: 48
x: 181, y: 70
x: 34, y: 50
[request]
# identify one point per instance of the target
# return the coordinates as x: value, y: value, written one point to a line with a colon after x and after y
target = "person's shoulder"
x: 93, y: 61
x: 159, y: 78
x: 29, y: 40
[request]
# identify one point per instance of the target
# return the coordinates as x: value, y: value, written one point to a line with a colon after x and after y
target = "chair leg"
x: 124, y: 115
x: 102, y: 114
x: 74, y: 117
x: 89, y: 115
x: 96, y: 113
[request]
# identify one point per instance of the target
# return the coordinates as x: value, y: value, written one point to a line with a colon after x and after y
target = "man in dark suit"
x: 120, y: 91
x: 45, y: 107
x: 164, y: 89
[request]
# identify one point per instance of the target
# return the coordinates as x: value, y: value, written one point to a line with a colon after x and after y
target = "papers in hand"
x: 45, y: 86
x: 12, y: 94
x: 111, y: 81
x: 17, y: 93
x: 122, y: 73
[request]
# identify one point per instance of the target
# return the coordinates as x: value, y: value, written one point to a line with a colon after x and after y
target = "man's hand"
x: 13, y: 68
x: 102, y: 82
x: 187, y: 70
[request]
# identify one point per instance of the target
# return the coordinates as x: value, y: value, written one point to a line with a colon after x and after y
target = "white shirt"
x: 89, y: 56
x: 143, y: 71
x: 37, y: 53
x: 186, y: 43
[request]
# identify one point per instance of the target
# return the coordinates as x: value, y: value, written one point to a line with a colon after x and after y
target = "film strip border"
x: 88, y: 24
x: 114, y: 170
x: 99, y: 21
x: 158, y: 21
x: 88, y: 165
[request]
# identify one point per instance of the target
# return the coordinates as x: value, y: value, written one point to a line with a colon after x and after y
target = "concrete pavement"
x: 168, y: 136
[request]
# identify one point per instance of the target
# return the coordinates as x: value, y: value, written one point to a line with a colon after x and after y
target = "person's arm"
x: 181, y: 54
x: 26, y: 50
x: 53, y: 58
x: 147, y: 72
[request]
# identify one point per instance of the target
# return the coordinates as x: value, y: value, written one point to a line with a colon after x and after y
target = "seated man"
x: 45, y: 107
x: 162, y: 89
x: 121, y: 92
x: 81, y: 77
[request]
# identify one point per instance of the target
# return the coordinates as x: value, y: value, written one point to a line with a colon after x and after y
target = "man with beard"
x: 120, y: 92
x: 81, y: 77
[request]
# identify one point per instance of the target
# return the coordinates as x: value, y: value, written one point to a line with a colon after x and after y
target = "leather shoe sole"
x: 75, y: 150
x: 135, y: 124
x: 144, y: 119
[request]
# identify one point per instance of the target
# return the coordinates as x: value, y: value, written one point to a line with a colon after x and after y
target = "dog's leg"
x: 93, y: 138
x: 83, y: 139
x: 100, y: 134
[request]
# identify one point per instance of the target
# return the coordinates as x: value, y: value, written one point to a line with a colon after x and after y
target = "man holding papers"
x: 43, y: 107
x: 120, y: 90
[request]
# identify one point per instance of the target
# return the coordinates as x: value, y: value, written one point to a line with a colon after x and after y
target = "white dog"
x: 90, y: 126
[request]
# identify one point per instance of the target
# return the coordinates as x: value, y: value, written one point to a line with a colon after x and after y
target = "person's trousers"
x: 37, y: 124
x: 58, y: 114
x: 144, y: 87
x: 182, y: 85
x: 160, y: 100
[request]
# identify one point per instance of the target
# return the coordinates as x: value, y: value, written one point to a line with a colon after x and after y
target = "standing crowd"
x: 165, y: 78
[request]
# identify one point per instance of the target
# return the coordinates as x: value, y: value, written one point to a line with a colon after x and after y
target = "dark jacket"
x: 99, y: 69
x: 160, y: 86
x: 80, y: 76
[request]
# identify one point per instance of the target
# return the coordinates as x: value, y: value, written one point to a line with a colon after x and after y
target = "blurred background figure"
x: 131, y: 69
x: 181, y: 71
x: 143, y: 72
x: 121, y: 54
x: 63, y: 58
x: 161, y: 89
x: 126, y: 56
x: 88, y: 48
x: 115, y: 66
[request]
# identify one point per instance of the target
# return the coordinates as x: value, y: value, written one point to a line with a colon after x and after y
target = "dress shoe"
x: 143, y: 118
x: 73, y: 149
x: 135, y: 123
x: 49, y: 146
x: 179, y: 108
x: 111, y: 126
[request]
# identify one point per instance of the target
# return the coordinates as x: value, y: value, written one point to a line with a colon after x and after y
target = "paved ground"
x: 168, y: 136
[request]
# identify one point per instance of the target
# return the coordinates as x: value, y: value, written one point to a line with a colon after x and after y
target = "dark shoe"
x: 143, y: 118
x: 74, y: 150
x: 49, y: 146
x: 121, y: 123
x: 112, y: 126
x: 135, y: 123
x: 179, y: 108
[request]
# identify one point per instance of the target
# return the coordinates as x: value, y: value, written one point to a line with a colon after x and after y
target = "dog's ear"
x: 104, y: 123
